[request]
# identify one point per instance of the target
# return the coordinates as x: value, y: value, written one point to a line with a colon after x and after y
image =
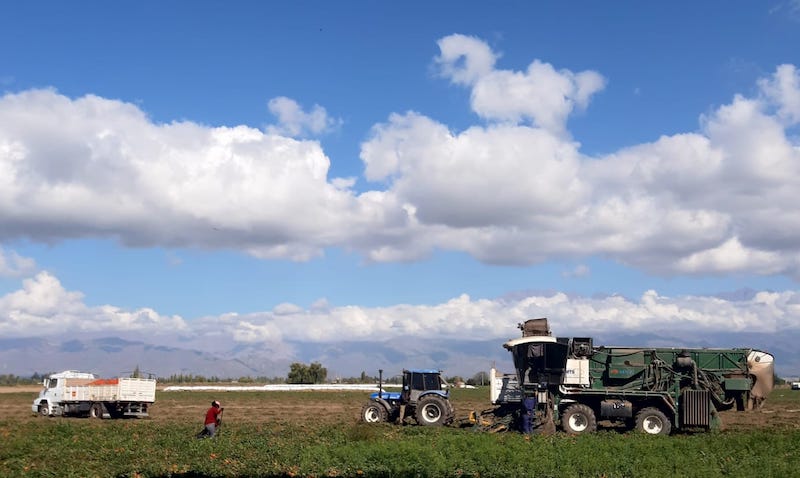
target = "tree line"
x: 11, y: 379
x: 315, y: 372
x: 299, y: 373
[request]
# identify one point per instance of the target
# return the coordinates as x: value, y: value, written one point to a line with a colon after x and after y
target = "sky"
x: 307, y: 172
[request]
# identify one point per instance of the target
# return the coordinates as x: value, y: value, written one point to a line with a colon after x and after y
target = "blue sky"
x: 194, y: 165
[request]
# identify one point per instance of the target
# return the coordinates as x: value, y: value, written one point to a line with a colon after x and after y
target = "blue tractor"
x: 424, y: 397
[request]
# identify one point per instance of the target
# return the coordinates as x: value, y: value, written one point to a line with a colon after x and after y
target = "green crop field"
x: 280, y: 434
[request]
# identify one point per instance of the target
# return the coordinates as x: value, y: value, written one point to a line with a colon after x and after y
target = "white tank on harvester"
x: 72, y: 393
x: 575, y: 384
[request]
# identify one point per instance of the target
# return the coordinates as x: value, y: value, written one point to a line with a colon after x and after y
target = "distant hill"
x: 110, y: 356
x: 113, y: 356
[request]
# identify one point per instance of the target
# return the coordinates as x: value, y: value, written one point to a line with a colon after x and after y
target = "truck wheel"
x: 96, y: 410
x: 43, y: 411
x: 373, y: 412
x: 577, y: 419
x: 432, y: 411
x: 653, y: 422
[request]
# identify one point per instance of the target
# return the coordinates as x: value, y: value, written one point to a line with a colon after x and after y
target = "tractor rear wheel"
x: 652, y: 421
x: 578, y: 418
x: 373, y: 412
x: 432, y: 411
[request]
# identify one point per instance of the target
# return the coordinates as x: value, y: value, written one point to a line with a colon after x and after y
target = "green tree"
x: 317, y: 373
x: 302, y: 373
x: 297, y: 373
x: 480, y: 378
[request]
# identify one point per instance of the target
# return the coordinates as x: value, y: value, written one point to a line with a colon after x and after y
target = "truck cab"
x: 50, y: 397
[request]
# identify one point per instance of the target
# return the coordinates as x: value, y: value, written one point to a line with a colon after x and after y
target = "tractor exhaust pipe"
x: 380, y: 383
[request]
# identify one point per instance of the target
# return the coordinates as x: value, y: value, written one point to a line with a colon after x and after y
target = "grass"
x: 140, y: 448
x: 299, y: 445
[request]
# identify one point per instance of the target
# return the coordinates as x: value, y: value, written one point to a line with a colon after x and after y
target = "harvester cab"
x: 424, y: 396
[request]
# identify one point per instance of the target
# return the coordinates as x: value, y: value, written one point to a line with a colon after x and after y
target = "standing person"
x: 213, y: 419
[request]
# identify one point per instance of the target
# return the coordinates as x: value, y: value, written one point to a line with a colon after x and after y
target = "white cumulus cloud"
x: 15, y: 265
x: 719, y: 200
x: 42, y: 307
x: 515, y: 188
x: 294, y: 122
x: 98, y: 167
x: 540, y: 94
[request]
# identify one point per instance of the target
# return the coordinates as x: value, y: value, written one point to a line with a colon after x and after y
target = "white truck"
x: 83, y: 394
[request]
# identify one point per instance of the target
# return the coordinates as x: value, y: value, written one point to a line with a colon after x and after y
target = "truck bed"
x: 110, y: 390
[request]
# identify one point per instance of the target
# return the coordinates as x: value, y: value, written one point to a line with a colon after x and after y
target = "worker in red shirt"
x: 213, y: 420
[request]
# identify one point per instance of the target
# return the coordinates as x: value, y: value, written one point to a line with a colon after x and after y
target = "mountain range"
x: 112, y: 356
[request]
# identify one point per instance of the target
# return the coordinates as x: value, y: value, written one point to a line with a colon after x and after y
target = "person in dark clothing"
x: 528, y: 414
x: 213, y: 420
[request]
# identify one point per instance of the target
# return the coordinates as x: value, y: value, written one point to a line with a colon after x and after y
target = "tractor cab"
x: 419, y: 382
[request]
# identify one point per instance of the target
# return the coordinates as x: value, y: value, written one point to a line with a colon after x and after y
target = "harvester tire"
x: 373, y: 412
x: 432, y: 411
x: 652, y: 421
x: 578, y: 419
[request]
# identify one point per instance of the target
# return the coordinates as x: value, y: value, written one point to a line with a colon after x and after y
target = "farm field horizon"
x: 271, y: 434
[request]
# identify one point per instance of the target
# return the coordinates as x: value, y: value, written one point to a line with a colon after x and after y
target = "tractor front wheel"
x: 577, y: 419
x: 432, y: 411
x: 652, y: 421
x: 373, y: 412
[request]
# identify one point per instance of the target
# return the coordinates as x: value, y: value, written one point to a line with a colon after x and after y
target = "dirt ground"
x: 780, y: 411
x: 21, y: 389
x: 255, y: 407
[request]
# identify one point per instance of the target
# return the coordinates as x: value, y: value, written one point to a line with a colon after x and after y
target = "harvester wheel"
x: 432, y: 411
x: 373, y: 412
x: 577, y: 419
x: 741, y: 401
x: 96, y: 410
x: 653, y: 422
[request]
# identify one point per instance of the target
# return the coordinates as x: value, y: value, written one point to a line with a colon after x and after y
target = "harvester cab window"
x: 539, y: 362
